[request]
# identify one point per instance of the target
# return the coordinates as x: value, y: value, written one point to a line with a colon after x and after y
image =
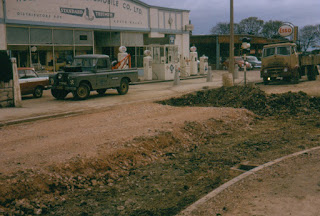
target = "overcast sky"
x: 204, y: 14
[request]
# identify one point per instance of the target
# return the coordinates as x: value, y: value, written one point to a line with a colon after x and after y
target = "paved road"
x: 48, y: 106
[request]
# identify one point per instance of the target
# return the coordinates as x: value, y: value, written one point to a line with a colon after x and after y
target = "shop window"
x: 110, y: 52
x: 63, y: 36
x: 40, y: 36
x: 132, y: 39
x: 63, y: 57
x: 17, y: 35
x: 107, y: 39
x: 83, y: 37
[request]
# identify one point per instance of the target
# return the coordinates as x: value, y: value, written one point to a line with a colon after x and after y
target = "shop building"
x: 49, y: 33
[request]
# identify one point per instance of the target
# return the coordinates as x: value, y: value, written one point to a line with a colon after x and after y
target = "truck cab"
x: 280, y: 60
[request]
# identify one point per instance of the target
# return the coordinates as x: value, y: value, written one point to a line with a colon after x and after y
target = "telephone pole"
x: 231, y: 44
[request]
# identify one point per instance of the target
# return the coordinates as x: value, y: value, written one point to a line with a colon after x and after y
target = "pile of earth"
x: 251, y: 98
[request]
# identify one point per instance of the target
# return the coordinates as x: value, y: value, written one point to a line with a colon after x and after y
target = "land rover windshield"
x: 281, y: 50
x: 84, y: 62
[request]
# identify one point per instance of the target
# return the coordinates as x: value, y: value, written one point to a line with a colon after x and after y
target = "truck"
x: 282, y: 60
x: 92, y: 72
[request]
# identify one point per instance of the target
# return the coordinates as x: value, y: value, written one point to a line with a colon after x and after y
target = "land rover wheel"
x: 124, y: 87
x: 101, y: 91
x: 82, y: 92
x: 59, y: 94
x: 38, y: 92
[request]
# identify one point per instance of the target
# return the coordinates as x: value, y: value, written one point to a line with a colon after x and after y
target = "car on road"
x: 237, y: 61
x: 31, y: 83
x: 254, y: 61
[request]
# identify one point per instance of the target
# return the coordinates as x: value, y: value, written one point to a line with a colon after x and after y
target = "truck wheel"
x: 101, y: 91
x: 312, y: 73
x: 295, y: 79
x: 59, y: 94
x: 38, y: 92
x: 124, y: 87
x: 82, y: 92
x: 296, y: 76
x: 286, y: 79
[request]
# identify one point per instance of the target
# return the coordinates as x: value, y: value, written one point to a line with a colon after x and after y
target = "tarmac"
x: 213, y: 203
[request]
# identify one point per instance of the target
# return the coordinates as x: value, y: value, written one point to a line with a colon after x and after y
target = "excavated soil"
x: 150, y: 159
x: 251, y: 98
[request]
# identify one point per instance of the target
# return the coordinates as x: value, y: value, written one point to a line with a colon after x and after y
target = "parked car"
x: 31, y: 83
x: 238, y: 61
x: 88, y: 73
x: 254, y: 61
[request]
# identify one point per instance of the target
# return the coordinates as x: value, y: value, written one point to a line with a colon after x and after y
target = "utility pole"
x: 231, y: 44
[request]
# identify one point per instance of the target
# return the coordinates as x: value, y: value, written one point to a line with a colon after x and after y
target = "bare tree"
x: 309, y: 36
x: 221, y: 29
x: 270, y: 28
x: 251, y: 25
x: 224, y: 29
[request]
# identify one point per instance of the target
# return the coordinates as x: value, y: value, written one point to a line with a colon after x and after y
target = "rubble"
x: 252, y: 98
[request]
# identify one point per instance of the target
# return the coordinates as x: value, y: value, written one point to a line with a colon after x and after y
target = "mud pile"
x: 251, y: 98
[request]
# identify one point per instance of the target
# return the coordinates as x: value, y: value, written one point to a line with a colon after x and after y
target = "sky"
x: 204, y: 14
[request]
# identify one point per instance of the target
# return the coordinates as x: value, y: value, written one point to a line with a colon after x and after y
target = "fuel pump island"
x: 161, y: 62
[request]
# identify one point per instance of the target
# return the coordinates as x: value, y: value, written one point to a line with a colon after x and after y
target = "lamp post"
x: 231, y: 46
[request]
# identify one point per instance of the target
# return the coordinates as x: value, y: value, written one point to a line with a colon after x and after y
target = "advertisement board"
x: 285, y: 30
x: 121, y: 14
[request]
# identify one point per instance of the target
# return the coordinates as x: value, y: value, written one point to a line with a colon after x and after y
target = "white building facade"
x: 50, y: 32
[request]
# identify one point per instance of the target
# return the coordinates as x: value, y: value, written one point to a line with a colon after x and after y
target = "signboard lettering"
x: 72, y: 11
x: 122, y: 13
x: 285, y: 30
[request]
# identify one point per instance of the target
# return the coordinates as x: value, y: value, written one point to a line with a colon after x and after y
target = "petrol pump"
x: 203, y: 65
x: 185, y: 66
x: 165, y: 61
x: 147, y: 65
x: 194, y: 61
x: 123, y: 58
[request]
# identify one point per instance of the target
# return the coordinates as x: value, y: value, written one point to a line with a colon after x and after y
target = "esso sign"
x: 285, y: 30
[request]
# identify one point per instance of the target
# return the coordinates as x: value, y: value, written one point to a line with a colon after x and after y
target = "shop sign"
x: 121, y: 13
x: 285, y: 30
x: 87, y: 15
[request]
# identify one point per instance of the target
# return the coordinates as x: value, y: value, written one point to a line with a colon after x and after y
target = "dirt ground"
x: 149, y: 158
x: 290, y: 187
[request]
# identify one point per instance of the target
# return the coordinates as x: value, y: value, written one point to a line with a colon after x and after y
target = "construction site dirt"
x: 152, y: 158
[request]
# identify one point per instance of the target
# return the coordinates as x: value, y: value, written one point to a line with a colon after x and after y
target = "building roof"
x: 161, y: 8
x: 237, y: 38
